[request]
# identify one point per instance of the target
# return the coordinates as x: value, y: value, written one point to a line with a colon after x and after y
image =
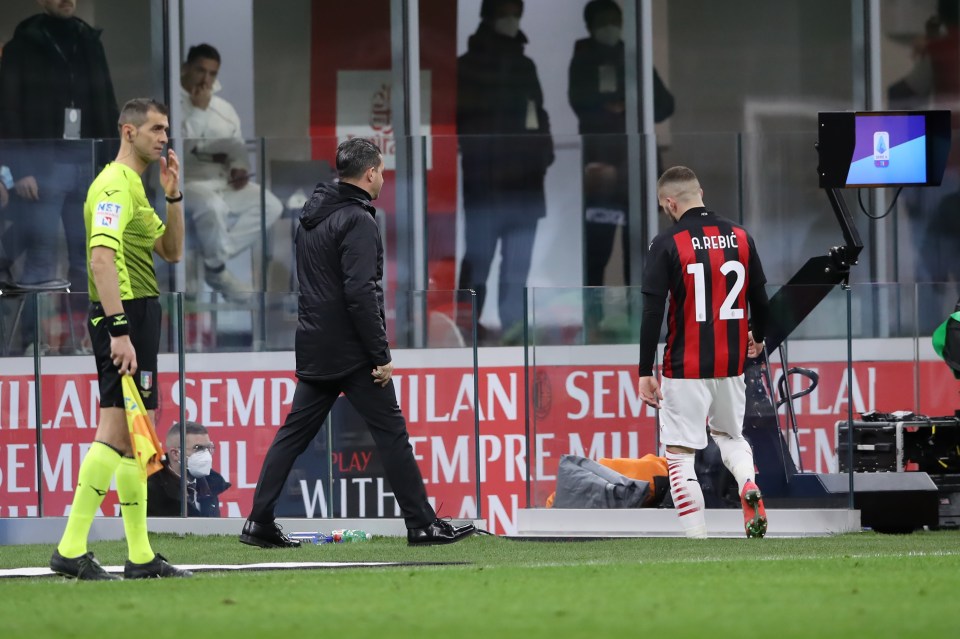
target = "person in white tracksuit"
x: 222, y: 202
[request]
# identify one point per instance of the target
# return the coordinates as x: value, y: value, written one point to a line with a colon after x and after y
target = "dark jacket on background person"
x: 603, y: 129
x: 342, y: 322
x: 163, y: 494
x: 51, y: 64
x: 583, y: 91
x: 503, y: 130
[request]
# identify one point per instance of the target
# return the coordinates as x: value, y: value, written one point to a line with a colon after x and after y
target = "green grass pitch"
x: 857, y: 585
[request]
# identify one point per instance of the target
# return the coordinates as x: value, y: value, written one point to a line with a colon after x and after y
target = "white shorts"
x: 690, y: 404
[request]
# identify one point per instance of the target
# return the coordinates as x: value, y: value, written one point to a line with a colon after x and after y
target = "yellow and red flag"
x: 147, y: 449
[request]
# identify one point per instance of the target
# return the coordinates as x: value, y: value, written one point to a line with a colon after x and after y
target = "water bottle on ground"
x: 352, y: 536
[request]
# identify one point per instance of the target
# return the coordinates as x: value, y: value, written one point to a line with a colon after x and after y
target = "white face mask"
x: 608, y: 35
x: 200, y: 463
x: 508, y: 26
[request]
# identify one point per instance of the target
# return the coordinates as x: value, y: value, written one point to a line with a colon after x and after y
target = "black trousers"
x: 378, y: 406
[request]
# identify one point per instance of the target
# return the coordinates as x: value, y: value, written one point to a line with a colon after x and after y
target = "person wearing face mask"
x: 506, y: 148
x: 596, y: 92
x: 204, y: 485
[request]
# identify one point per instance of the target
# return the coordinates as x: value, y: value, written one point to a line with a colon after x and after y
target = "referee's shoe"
x: 158, y: 567
x: 85, y: 567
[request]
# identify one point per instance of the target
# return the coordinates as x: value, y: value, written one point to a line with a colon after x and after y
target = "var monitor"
x: 883, y: 148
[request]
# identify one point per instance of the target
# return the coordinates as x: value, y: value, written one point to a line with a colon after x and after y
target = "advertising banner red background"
x: 590, y: 410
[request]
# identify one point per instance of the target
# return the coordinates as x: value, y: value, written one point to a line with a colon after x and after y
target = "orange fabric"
x: 147, y: 449
x: 550, y: 499
x: 645, y: 468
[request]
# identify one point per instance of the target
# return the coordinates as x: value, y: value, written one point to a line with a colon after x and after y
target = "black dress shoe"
x: 439, y: 532
x: 156, y: 568
x: 266, y: 536
x: 85, y: 567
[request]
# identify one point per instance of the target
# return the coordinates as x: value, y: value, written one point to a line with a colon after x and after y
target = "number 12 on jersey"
x: 727, y: 310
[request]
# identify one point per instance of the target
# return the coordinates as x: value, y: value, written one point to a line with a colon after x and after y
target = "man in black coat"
x: 596, y: 91
x: 505, y: 146
x: 204, y: 485
x: 55, y: 95
x: 341, y: 347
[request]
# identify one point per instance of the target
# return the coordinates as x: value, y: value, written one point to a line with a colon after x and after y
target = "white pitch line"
x: 275, y: 565
x: 294, y: 565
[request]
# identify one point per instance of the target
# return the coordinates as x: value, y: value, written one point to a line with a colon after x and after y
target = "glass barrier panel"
x: 19, y: 397
x: 789, y: 216
x: 916, y: 72
x: 43, y: 237
x: 717, y: 159
x: 241, y: 397
x: 444, y: 210
x: 585, y: 212
x: 229, y: 217
x: 745, y: 89
x: 805, y: 377
x: 70, y: 407
x: 293, y: 168
x: 935, y: 384
x: 584, y: 399
x: 931, y: 443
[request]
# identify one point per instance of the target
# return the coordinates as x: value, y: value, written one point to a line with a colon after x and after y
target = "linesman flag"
x: 147, y: 449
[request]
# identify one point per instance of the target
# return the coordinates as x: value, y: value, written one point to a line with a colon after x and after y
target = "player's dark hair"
x: 595, y: 8
x: 202, y: 51
x: 355, y: 156
x: 135, y: 111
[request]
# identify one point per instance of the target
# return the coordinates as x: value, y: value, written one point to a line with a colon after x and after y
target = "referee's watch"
x: 174, y: 200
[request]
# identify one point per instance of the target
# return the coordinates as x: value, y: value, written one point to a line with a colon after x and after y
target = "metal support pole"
x: 410, y: 165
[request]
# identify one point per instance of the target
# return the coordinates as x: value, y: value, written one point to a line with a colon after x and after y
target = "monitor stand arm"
x: 790, y: 305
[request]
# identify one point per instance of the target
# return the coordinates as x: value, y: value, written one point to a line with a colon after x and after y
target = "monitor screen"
x: 883, y: 148
x: 889, y: 149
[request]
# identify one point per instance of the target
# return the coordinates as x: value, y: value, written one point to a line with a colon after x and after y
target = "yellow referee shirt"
x: 118, y: 215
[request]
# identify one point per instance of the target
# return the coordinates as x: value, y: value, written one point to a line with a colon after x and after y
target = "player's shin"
x: 737, y: 456
x: 132, y: 494
x: 687, y: 494
x: 93, y: 482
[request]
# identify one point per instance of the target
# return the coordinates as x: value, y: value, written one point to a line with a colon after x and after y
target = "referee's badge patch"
x: 146, y: 380
x: 108, y: 215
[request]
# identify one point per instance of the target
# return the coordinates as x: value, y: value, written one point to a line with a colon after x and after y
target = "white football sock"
x: 687, y: 494
x: 737, y: 456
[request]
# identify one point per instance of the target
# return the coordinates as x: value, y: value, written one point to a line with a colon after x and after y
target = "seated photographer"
x: 204, y: 485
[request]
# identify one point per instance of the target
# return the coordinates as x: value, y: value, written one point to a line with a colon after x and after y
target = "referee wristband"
x: 117, y: 325
x: 174, y: 200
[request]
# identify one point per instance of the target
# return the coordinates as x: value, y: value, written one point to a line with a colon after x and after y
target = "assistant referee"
x: 123, y: 232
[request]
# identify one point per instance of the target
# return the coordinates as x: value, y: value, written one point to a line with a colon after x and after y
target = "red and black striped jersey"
x: 708, y: 265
